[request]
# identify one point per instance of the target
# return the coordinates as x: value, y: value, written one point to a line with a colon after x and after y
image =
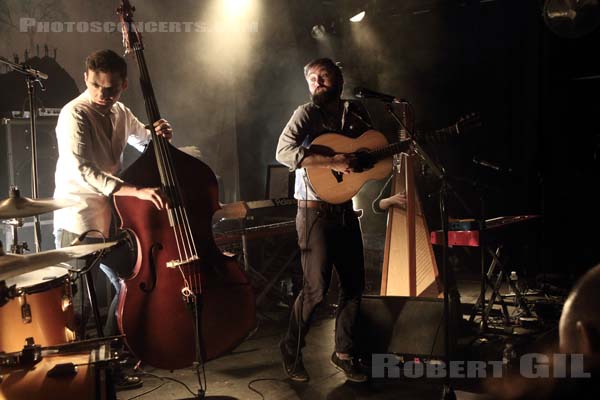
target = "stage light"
x: 358, y: 17
x: 236, y: 7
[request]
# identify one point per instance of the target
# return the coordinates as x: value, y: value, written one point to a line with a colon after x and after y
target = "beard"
x: 323, y: 97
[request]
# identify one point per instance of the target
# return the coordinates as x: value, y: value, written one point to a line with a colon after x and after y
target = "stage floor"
x: 256, y: 364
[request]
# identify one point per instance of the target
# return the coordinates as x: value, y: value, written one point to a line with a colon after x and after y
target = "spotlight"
x: 236, y: 7
x: 358, y: 17
x: 318, y: 31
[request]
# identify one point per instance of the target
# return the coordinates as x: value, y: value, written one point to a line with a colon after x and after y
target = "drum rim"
x: 45, y: 285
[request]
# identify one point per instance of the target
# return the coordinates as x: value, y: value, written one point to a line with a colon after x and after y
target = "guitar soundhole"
x: 339, y: 177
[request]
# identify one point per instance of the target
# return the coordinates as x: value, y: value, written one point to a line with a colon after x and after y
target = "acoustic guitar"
x: 372, y: 159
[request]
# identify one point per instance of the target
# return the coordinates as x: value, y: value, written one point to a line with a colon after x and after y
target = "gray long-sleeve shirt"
x: 307, y: 123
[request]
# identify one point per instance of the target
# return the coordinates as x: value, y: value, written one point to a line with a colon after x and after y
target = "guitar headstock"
x: 464, y: 124
x: 132, y: 40
x: 467, y: 122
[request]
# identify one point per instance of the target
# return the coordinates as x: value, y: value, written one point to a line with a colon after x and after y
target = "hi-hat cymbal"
x: 16, y: 206
x: 16, y: 264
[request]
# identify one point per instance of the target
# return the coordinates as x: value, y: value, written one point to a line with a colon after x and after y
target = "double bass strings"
x: 177, y: 214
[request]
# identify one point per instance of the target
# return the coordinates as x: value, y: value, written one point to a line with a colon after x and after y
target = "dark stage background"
x: 230, y: 89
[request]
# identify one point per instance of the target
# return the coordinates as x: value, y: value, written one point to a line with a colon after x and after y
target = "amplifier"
x: 15, y: 169
x: 15, y: 156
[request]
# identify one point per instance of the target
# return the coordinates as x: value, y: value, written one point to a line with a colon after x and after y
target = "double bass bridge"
x: 179, y: 263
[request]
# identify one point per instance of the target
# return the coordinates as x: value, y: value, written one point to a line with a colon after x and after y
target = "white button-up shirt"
x: 90, y: 153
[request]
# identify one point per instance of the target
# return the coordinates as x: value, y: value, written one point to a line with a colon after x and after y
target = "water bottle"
x: 514, y: 279
x: 509, y: 355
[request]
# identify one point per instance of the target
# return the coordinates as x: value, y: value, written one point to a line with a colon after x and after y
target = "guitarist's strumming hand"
x: 337, y: 162
x: 341, y: 163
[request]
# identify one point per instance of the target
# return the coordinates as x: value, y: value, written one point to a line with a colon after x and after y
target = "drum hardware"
x: 29, y: 356
x: 91, y: 290
x: 32, y: 76
x: 7, y: 293
x: 25, y: 309
x: 15, y: 247
x: 14, y: 208
x: 100, y: 353
x: 83, y: 345
x: 75, y: 371
x: 67, y: 299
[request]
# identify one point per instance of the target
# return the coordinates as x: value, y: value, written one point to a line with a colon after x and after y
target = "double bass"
x: 185, y: 301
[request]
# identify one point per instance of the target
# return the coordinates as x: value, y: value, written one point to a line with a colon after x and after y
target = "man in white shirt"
x: 92, y: 132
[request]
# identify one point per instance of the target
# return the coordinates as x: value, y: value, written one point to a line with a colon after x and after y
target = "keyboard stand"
x: 496, y: 297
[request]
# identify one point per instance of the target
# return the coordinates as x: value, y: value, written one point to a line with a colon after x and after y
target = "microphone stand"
x: 440, y: 173
x: 32, y: 76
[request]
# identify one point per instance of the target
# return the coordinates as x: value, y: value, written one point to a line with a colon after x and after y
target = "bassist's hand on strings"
x: 163, y: 128
x: 153, y: 194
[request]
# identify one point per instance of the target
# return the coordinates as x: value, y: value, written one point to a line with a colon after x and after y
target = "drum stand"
x: 91, y: 291
x: 32, y: 77
x: 15, y: 224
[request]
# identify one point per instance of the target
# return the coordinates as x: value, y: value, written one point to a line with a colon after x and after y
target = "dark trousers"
x: 328, y: 237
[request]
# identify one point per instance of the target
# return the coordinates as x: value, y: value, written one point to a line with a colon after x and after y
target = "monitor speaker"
x: 404, y: 325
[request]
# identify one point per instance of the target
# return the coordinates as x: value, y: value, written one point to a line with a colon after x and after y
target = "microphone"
x: 490, y: 165
x: 364, y: 93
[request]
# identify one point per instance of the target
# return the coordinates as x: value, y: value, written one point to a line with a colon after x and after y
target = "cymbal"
x: 17, y: 264
x: 16, y: 206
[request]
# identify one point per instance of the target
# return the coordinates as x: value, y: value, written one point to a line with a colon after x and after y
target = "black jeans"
x: 328, y: 237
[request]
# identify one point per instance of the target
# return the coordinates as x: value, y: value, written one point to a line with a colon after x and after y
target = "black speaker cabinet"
x: 15, y: 169
x: 280, y: 182
x: 16, y: 160
x: 404, y: 325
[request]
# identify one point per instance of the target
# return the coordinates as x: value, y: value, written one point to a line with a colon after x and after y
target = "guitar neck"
x: 389, y: 150
x: 449, y: 130
x: 399, y: 147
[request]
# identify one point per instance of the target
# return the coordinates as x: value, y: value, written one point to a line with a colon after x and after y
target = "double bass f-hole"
x: 153, y: 251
